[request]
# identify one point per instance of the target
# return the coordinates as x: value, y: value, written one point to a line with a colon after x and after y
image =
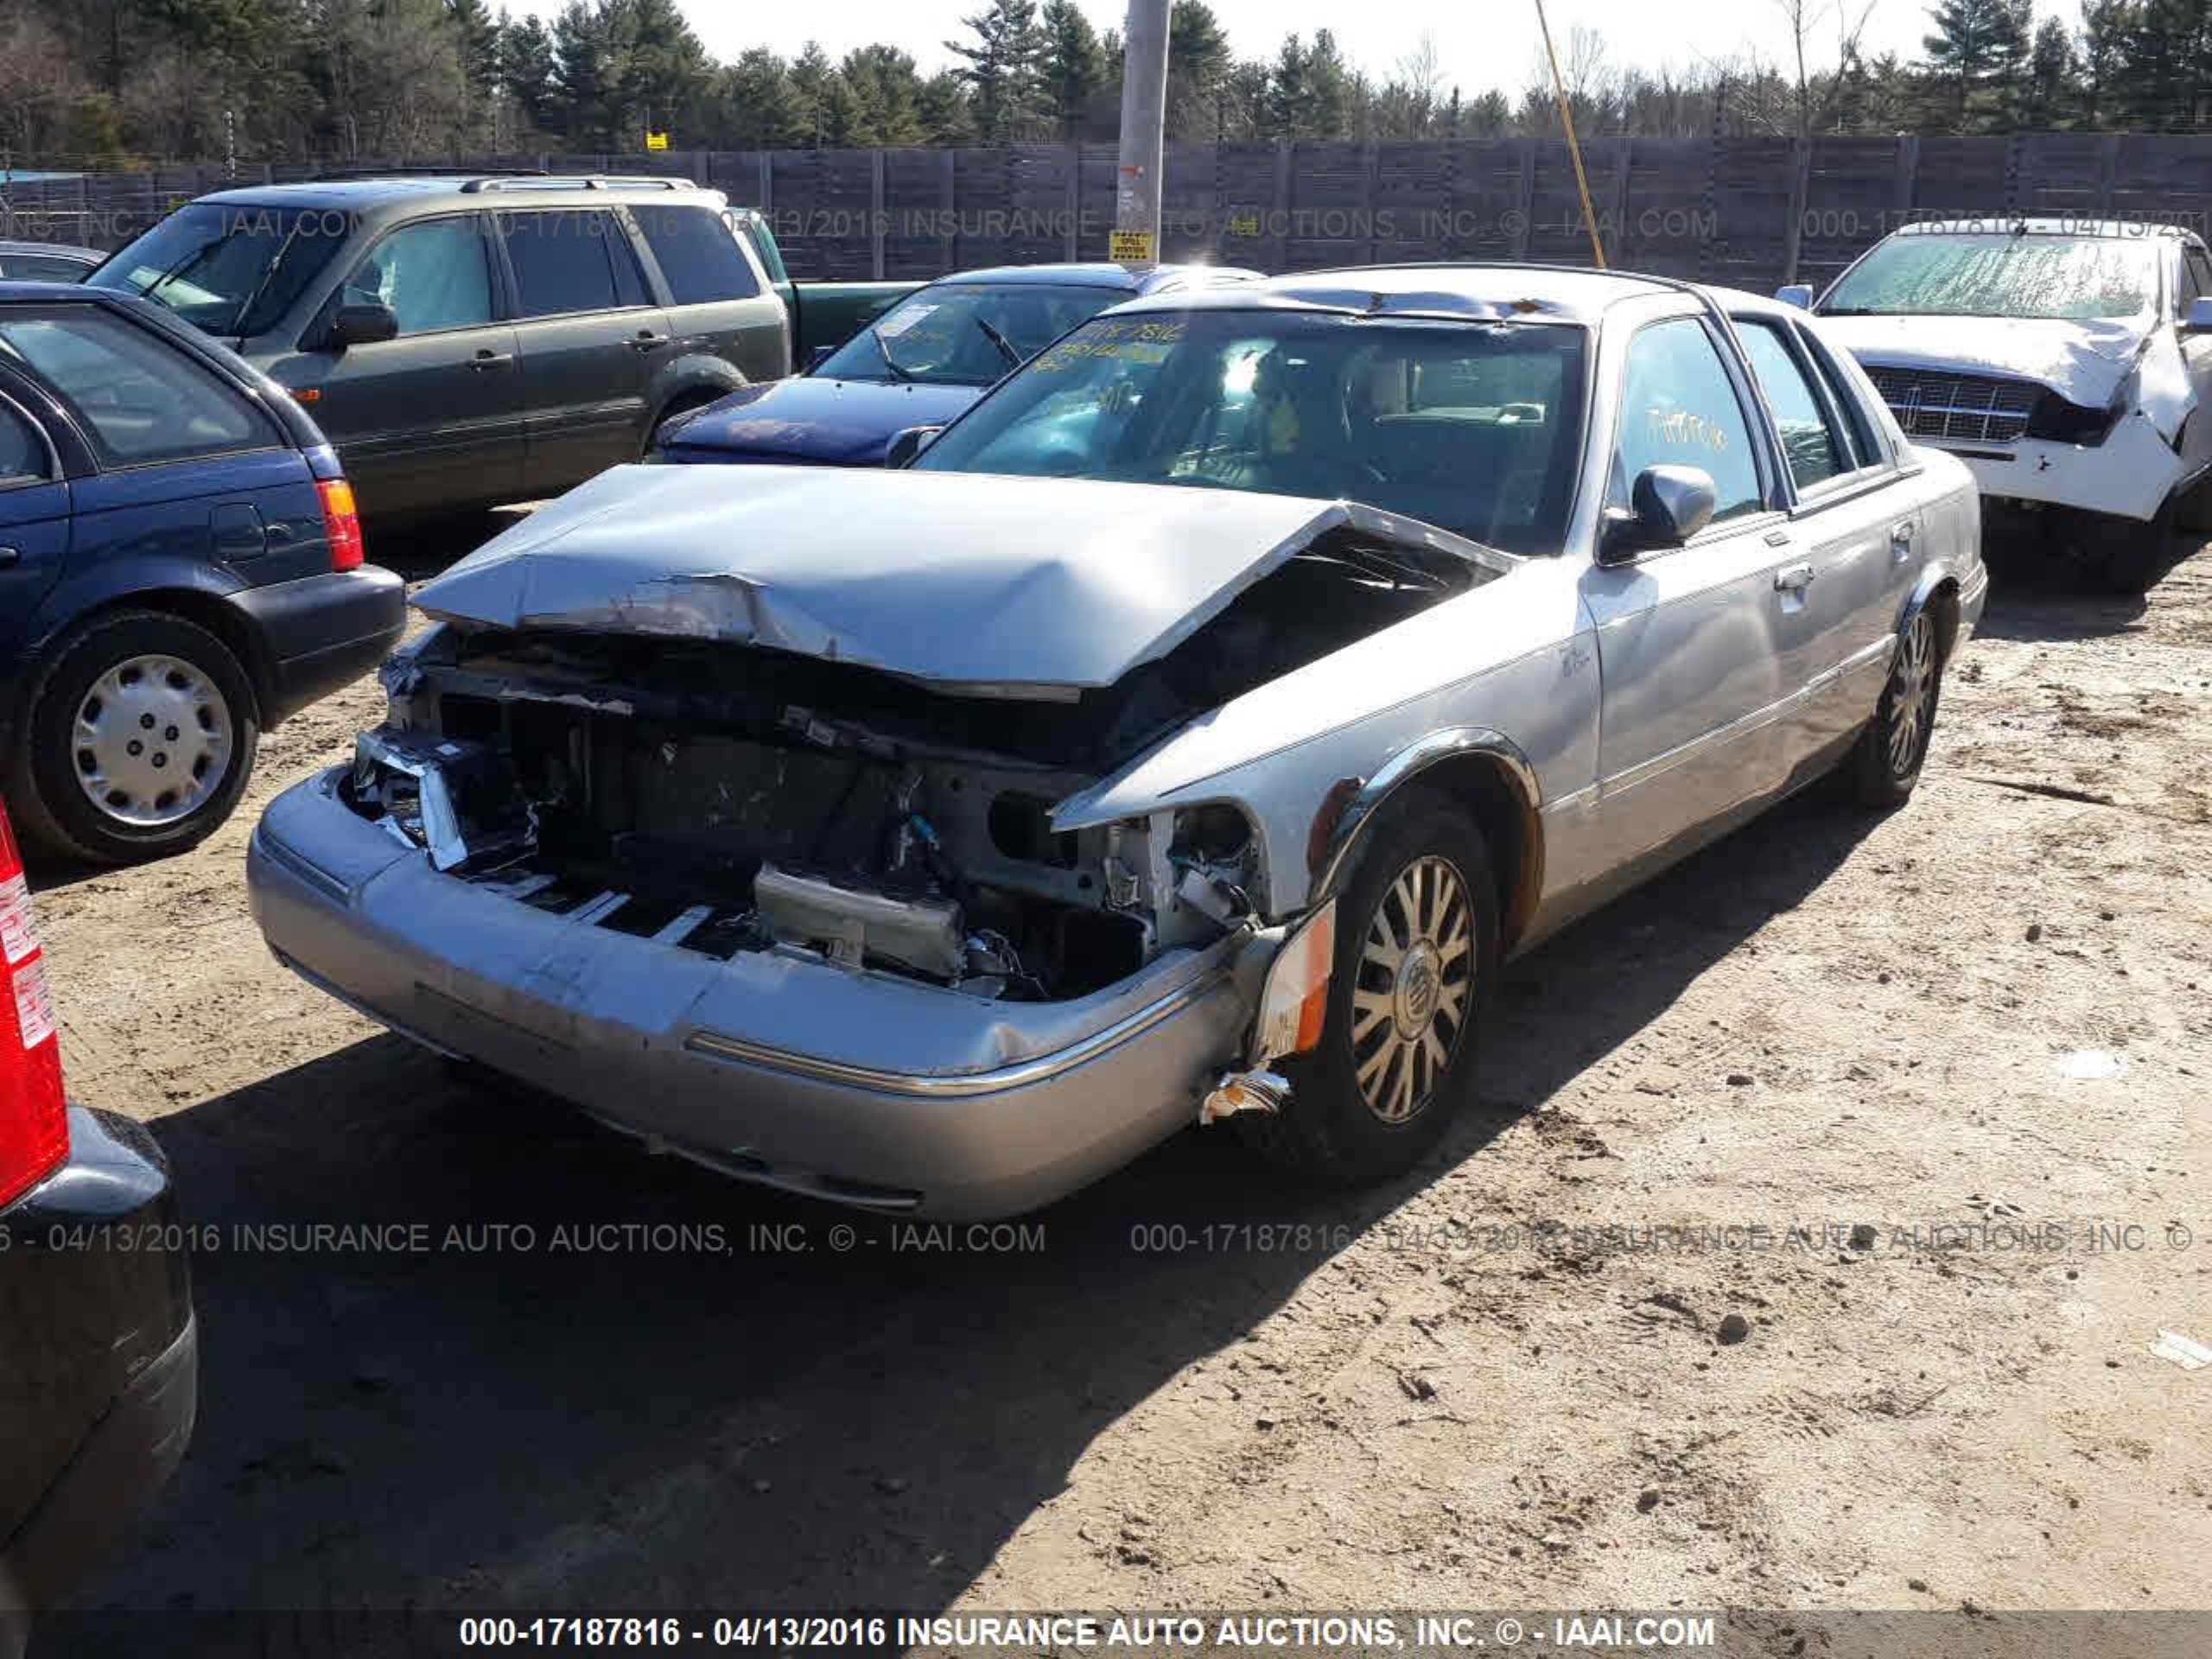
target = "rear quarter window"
x: 139, y: 399
x: 697, y: 253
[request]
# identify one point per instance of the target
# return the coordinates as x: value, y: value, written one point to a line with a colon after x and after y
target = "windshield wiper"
x: 899, y: 371
x: 1006, y: 345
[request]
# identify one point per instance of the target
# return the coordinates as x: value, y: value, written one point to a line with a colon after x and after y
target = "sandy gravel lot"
x: 1497, y: 1383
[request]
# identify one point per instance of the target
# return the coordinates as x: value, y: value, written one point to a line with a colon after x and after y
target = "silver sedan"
x: 1188, y: 734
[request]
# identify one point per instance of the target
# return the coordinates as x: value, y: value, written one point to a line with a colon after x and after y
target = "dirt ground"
x: 1502, y: 1383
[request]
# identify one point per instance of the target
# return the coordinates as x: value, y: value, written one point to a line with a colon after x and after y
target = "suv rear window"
x: 140, y: 400
x: 569, y: 259
x: 697, y: 254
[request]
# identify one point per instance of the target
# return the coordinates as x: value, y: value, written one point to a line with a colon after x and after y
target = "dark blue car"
x: 920, y: 364
x: 180, y: 567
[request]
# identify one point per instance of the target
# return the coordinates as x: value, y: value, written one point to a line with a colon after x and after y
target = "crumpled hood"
x: 840, y: 422
x: 1037, y: 587
x: 2083, y: 362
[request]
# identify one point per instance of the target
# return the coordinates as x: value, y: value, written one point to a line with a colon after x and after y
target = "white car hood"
x: 2083, y: 362
x: 990, y: 585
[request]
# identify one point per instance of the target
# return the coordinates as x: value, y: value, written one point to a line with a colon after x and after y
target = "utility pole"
x: 1136, y: 241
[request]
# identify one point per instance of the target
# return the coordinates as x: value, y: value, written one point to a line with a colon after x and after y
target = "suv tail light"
x: 34, y: 1112
x: 341, y: 523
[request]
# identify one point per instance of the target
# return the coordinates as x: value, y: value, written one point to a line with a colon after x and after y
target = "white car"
x: 2064, y: 361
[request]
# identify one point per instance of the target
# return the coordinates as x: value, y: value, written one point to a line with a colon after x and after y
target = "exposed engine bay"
x: 722, y: 797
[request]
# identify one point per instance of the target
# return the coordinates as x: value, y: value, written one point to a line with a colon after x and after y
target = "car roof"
x: 1103, y: 274
x: 1998, y: 225
x: 16, y: 291
x: 62, y: 249
x: 362, y: 193
x: 1474, y: 292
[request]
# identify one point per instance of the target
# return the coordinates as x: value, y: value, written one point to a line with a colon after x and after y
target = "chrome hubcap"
x: 1414, y: 985
x: 1912, y: 695
x: 152, y: 741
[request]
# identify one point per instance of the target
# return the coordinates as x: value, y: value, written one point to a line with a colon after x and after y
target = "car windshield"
x: 1473, y: 426
x: 2074, y: 278
x: 965, y: 334
x: 230, y: 270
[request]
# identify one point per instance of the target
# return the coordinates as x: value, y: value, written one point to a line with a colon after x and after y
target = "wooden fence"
x: 1748, y: 212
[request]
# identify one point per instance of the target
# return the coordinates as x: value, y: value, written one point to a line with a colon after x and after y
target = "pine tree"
x: 1071, y: 69
x: 1978, y: 54
x: 2053, y: 71
x: 1002, y: 73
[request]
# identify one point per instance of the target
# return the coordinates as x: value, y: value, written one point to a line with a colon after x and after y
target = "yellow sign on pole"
x: 655, y: 140
x: 1130, y: 247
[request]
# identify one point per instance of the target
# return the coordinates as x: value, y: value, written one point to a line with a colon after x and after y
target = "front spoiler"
x: 860, y: 1088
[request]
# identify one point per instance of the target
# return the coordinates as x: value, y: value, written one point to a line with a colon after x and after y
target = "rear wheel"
x: 1416, y: 954
x: 682, y: 404
x: 140, y: 740
x: 1893, y: 747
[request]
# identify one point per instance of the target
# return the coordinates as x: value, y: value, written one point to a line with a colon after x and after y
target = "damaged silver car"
x: 1189, y: 733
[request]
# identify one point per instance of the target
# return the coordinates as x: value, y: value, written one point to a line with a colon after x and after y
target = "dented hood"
x: 1037, y: 587
x: 2083, y: 362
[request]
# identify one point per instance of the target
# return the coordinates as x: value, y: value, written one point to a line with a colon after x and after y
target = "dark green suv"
x: 468, y: 342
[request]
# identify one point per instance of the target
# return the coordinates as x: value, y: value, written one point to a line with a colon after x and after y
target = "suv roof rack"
x: 571, y: 182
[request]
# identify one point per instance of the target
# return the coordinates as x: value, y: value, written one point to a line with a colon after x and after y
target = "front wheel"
x: 142, y: 738
x: 1416, y: 954
x: 1893, y: 747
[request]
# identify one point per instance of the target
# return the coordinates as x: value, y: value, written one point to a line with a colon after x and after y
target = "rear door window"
x: 566, y: 260
x: 140, y: 399
x: 434, y: 275
x: 1811, y: 445
x: 697, y: 254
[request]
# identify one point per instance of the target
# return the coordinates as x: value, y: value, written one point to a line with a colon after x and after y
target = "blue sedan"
x: 920, y: 364
x: 181, y: 566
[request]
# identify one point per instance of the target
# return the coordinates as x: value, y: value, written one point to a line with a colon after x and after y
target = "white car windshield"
x: 1474, y: 426
x: 2078, y: 279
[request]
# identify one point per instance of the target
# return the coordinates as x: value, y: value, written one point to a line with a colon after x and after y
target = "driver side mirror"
x: 1797, y: 294
x: 909, y: 444
x: 1668, y: 506
x: 2199, y: 320
x: 361, y: 322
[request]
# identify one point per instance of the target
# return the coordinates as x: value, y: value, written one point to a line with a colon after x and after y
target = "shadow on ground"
x: 693, y: 1417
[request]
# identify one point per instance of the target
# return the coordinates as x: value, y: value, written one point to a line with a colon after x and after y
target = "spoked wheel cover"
x: 1413, y: 988
x: 1912, y: 695
x: 151, y: 740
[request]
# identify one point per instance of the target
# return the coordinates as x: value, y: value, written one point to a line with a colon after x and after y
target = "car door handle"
x: 10, y: 555
x: 646, y: 340
x: 491, y: 360
x: 1795, y: 579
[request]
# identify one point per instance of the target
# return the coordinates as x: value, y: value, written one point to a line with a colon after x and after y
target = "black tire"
x: 2127, y: 557
x: 682, y: 404
x: 1887, y: 761
x: 1327, y: 1130
x: 57, y: 811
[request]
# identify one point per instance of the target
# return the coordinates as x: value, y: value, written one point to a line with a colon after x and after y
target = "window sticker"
x: 18, y: 932
x: 33, y: 1008
x: 891, y: 328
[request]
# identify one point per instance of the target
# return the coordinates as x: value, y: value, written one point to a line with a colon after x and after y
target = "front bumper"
x: 861, y: 1088
x: 99, y: 1383
x: 2129, y: 475
x: 318, y: 632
